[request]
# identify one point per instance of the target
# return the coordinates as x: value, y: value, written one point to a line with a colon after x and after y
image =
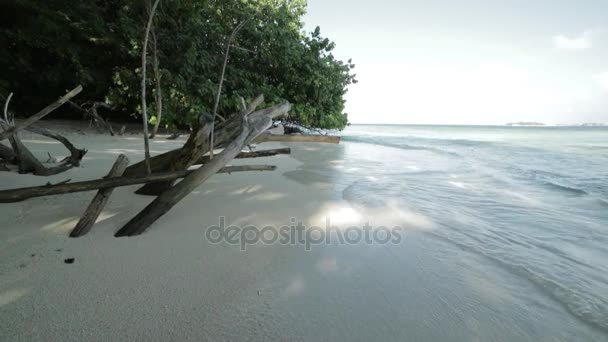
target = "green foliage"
x: 55, y: 44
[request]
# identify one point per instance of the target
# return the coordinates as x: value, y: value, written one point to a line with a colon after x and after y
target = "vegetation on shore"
x: 53, y: 45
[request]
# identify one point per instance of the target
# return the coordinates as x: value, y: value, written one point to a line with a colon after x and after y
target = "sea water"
x: 528, y: 203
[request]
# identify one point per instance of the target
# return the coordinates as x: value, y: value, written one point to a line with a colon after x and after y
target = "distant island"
x: 594, y: 124
x: 523, y: 123
x: 585, y: 124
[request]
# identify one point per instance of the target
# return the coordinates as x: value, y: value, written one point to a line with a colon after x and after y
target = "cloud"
x: 583, y: 42
x: 602, y: 80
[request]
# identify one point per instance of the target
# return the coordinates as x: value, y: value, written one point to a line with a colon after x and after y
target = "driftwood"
x: 92, y: 114
x: 224, y: 133
x: 174, y: 136
x: 47, y: 110
x: 252, y: 125
x: 254, y: 154
x: 27, y: 162
x: 76, y: 154
x: 100, y: 200
x: 197, y: 145
x: 298, y: 138
x: 21, y: 155
x: 21, y: 194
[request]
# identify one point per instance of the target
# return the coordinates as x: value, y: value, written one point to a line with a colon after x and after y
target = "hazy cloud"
x: 583, y: 42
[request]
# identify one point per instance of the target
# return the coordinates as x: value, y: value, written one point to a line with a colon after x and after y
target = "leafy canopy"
x: 55, y: 44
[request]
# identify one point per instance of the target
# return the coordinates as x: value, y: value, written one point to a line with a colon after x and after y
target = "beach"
x: 456, y: 272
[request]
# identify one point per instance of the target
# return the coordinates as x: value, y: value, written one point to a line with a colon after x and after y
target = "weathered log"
x: 254, y: 154
x: 298, y: 138
x: 100, y: 200
x: 252, y: 125
x: 21, y: 194
x: 44, y: 112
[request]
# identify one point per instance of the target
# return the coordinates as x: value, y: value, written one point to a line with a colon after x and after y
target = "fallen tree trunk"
x: 252, y: 125
x: 298, y: 138
x: 47, y: 110
x: 17, y: 195
x: 254, y: 154
x: 100, y: 200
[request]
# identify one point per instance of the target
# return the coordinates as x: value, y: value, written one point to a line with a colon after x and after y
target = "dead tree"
x: 251, y: 125
x: 22, y: 156
x: 196, y: 146
x: 41, y: 114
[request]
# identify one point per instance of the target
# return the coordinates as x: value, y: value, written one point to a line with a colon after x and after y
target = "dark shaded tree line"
x: 52, y: 45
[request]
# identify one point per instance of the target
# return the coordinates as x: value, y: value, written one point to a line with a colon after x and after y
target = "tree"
x: 98, y: 43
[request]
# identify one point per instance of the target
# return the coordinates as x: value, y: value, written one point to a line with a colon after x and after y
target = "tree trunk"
x: 158, y: 95
x: 144, y: 109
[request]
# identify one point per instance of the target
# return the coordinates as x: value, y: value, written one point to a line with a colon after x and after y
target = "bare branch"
x: 143, y: 86
x: 44, y: 112
x: 219, y: 88
x: 6, y: 118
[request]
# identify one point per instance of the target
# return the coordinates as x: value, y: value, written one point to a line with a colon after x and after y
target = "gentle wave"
x: 590, y: 309
x: 565, y: 189
x: 384, y: 141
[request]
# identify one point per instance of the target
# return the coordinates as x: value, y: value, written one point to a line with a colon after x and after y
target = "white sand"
x: 170, y: 283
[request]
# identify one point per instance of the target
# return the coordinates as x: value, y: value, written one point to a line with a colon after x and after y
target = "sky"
x: 471, y: 61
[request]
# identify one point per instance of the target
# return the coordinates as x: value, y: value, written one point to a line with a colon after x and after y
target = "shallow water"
x: 528, y: 206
